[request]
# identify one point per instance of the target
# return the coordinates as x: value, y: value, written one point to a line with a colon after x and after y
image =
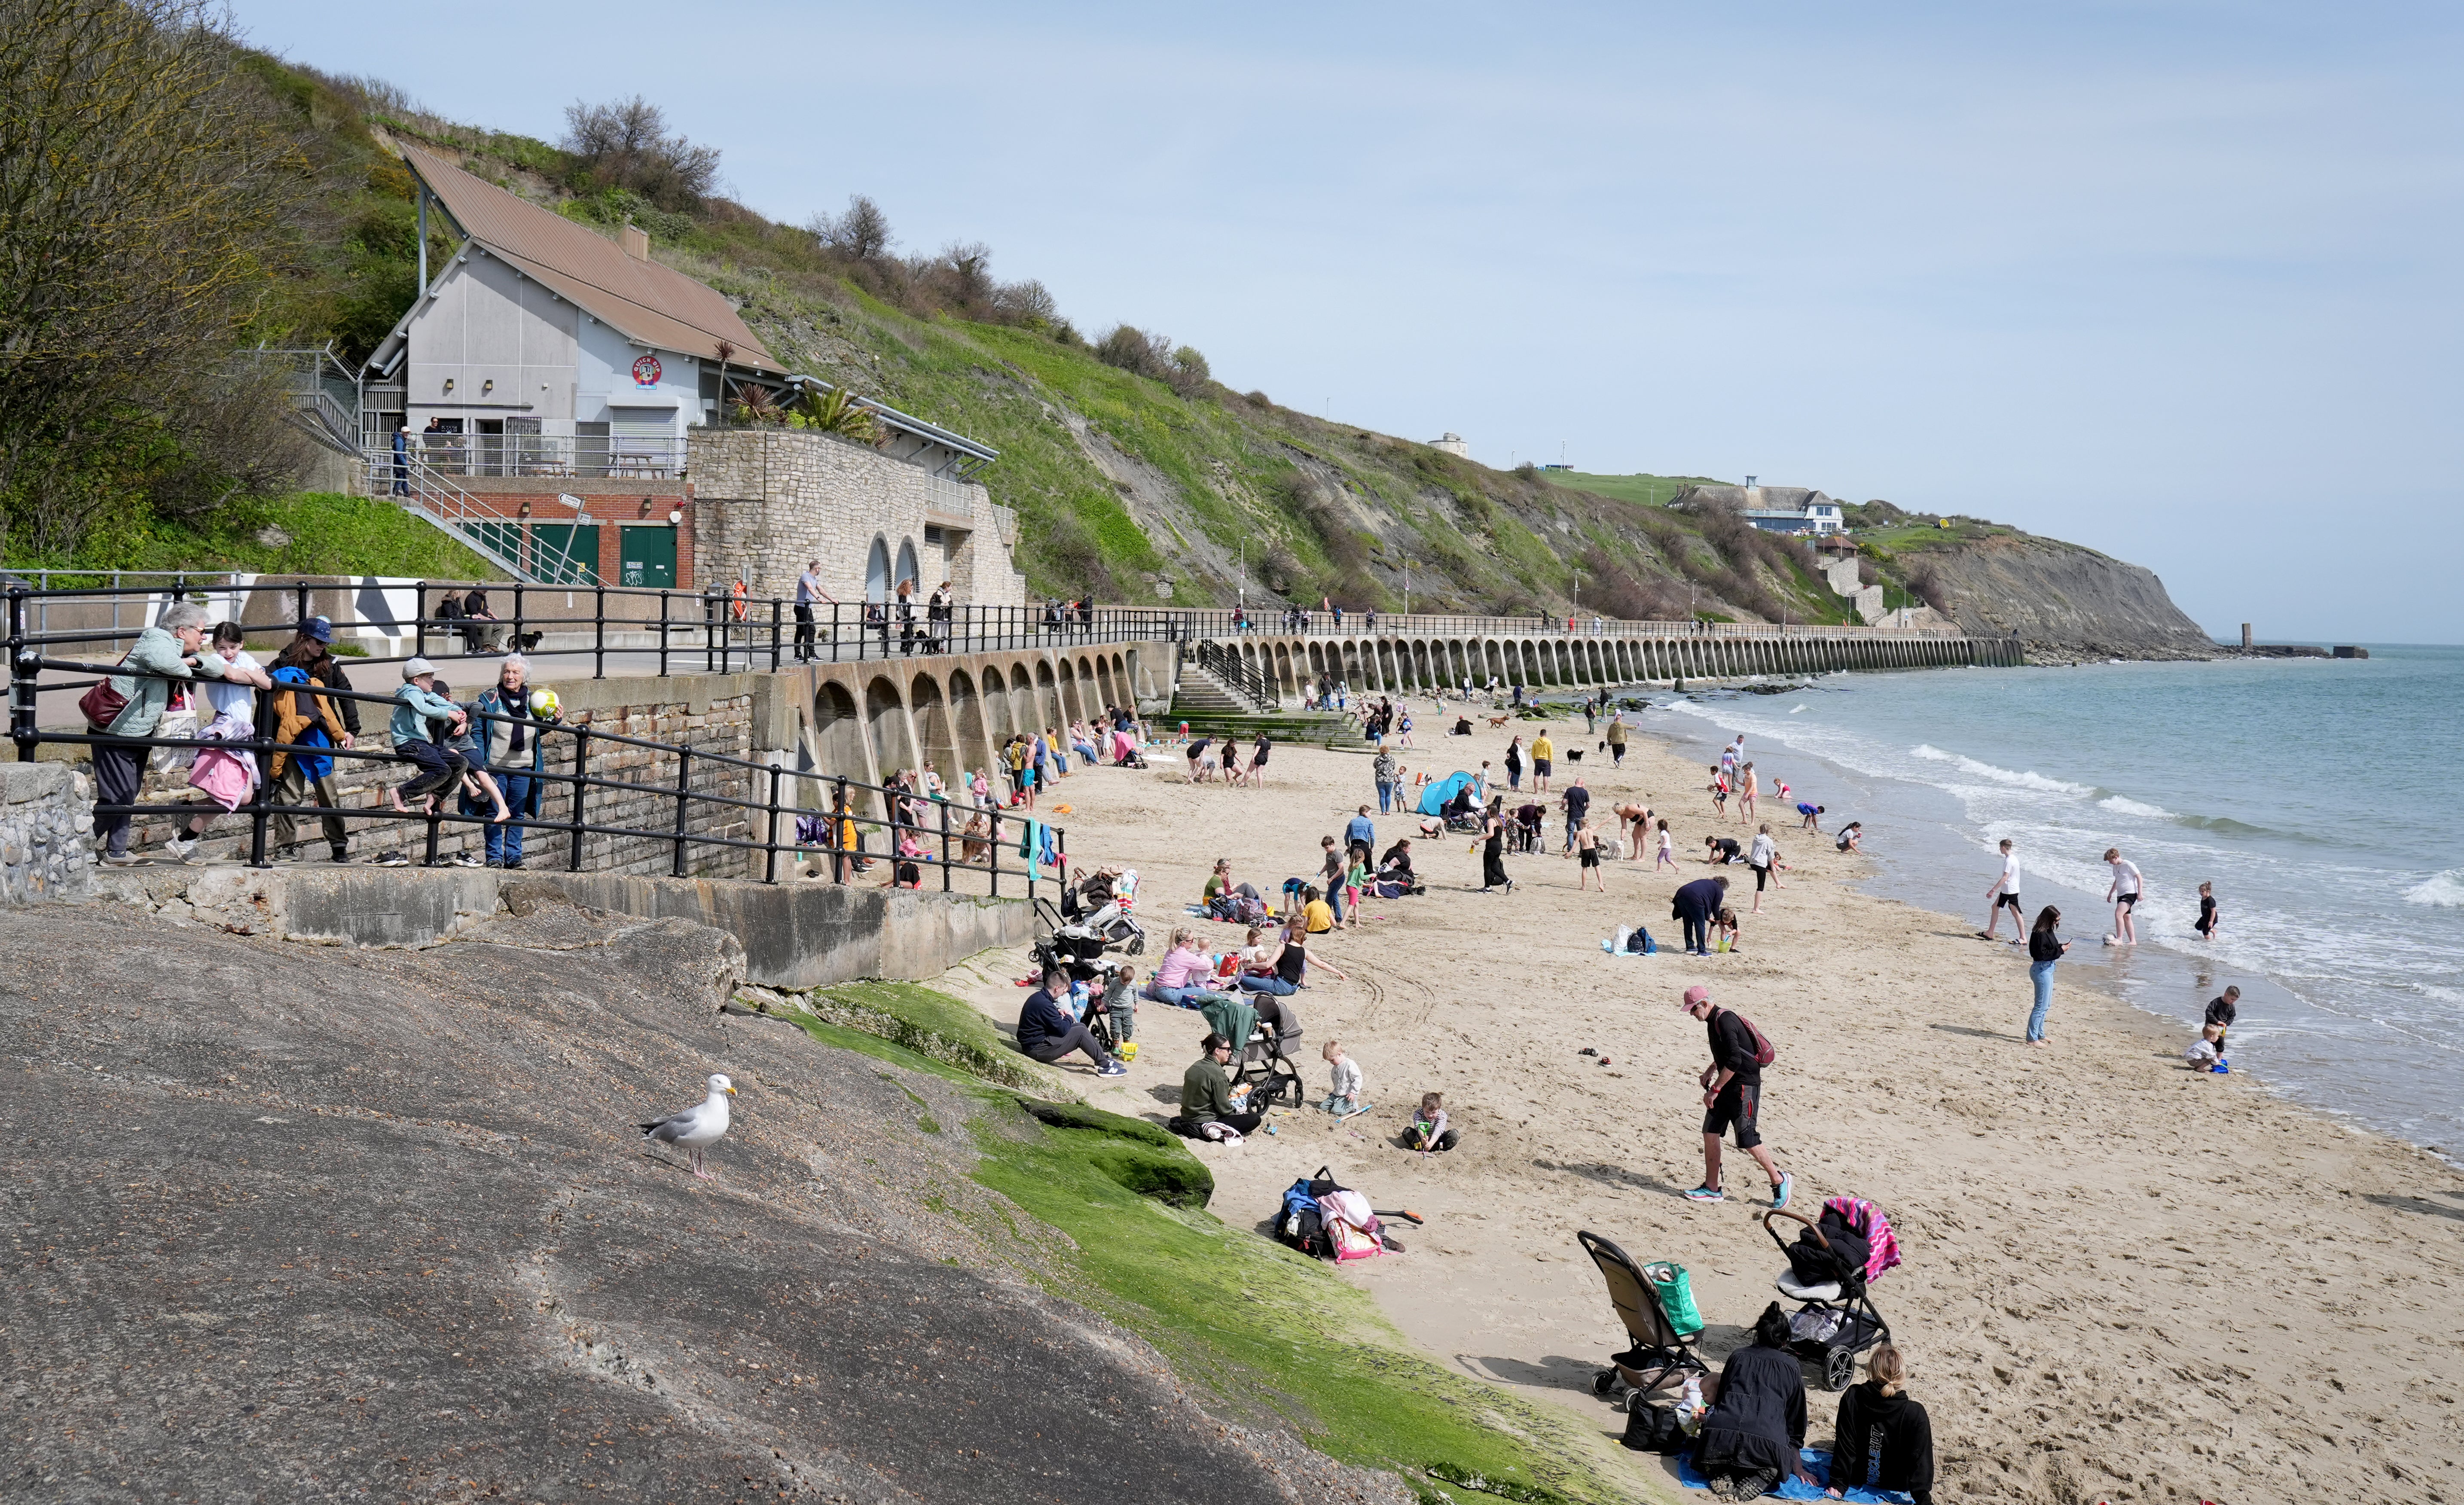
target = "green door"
x: 650, y: 558
x: 564, y: 553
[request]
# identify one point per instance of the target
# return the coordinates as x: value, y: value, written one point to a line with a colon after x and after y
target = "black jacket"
x: 2044, y: 945
x: 1907, y: 1442
x: 1698, y: 899
x: 1759, y: 1422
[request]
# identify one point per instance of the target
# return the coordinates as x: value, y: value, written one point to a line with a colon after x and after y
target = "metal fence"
x: 582, y: 456
x: 916, y: 828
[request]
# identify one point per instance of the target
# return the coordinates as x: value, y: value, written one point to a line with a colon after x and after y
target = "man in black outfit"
x: 1047, y: 1033
x: 1578, y: 804
x: 1733, y: 1087
x: 1695, y: 903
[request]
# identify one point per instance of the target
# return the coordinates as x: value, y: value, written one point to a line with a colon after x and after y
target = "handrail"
x: 1242, y: 679
x: 904, y: 826
x: 426, y: 489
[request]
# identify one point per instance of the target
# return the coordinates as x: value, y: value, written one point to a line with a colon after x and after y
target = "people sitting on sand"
x: 1751, y: 1434
x: 1207, y: 1096
x: 1047, y: 1032
x: 1428, y: 1132
x: 1883, y: 1440
x: 1184, y: 966
x: 1395, y: 869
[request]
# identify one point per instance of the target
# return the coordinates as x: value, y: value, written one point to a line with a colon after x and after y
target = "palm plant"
x: 836, y: 411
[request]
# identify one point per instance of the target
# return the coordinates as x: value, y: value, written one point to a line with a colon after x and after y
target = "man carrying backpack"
x: 1732, y: 1088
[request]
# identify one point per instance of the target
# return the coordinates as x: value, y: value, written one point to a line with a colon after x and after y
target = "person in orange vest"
x: 741, y: 600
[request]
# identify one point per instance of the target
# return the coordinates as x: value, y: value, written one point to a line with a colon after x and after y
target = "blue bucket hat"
x: 321, y: 628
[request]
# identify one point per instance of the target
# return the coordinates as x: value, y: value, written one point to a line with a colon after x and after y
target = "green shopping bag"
x: 1676, y: 1295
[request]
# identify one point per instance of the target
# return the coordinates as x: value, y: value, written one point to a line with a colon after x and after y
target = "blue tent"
x: 1434, y: 797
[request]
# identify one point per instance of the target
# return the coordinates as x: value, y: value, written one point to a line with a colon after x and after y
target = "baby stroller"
x: 1830, y: 1267
x: 1523, y: 832
x: 1113, y: 922
x: 1270, y: 1030
x: 1663, y: 1340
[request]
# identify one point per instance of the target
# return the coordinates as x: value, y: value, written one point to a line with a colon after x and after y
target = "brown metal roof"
x: 646, y: 302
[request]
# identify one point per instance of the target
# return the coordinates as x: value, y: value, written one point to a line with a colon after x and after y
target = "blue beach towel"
x: 1819, y: 1461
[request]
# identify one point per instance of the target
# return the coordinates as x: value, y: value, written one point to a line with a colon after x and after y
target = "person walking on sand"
x: 1617, y: 739
x: 1587, y: 850
x: 1514, y: 764
x: 1579, y: 809
x: 1746, y: 793
x: 2123, y: 895
x: 1668, y: 857
x: 1492, y: 852
x: 2045, y: 948
x: 2003, y: 893
x: 1732, y: 1090
x: 1762, y: 857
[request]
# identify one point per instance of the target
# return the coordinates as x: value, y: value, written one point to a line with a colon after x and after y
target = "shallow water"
x: 2315, y: 795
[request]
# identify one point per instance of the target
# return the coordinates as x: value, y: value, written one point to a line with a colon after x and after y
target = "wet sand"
x: 2124, y: 1280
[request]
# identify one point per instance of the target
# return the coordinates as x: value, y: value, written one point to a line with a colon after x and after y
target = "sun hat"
x: 1698, y: 994
x: 321, y: 628
x: 415, y: 667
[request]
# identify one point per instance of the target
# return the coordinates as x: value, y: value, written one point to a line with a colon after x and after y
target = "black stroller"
x: 1662, y: 1350
x: 1828, y: 1271
x: 1264, y: 1063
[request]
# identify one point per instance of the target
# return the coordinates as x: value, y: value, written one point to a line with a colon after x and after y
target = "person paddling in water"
x: 2123, y: 895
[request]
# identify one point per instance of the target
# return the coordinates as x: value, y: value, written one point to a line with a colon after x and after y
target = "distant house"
x: 1775, y: 508
x: 1452, y: 444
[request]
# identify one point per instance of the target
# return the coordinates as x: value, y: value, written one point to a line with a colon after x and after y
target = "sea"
x: 2320, y: 796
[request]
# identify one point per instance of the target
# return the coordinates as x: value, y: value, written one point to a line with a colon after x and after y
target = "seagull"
x: 697, y: 1127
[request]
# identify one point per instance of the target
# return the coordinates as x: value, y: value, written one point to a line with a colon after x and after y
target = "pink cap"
x: 1696, y: 994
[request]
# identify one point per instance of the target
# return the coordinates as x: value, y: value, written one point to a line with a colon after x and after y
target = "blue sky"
x: 2177, y: 281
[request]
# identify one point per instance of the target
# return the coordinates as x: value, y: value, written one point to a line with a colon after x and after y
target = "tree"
x: 626, y: 145
x: 144, y: 188
x: 861, y: 234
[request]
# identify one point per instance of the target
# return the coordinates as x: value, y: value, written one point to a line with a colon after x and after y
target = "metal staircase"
x: 512, y: 544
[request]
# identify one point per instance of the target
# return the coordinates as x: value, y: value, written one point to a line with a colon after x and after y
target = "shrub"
x: 626, y: 145
x: 1134, y: 350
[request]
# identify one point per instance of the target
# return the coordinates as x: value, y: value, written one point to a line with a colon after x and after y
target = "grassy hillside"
x: 1136, y: 477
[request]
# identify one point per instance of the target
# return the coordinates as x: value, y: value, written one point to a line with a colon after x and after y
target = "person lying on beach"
x: 2210, y: 918
x: 1850, y: 835
x: 1347, y: 1092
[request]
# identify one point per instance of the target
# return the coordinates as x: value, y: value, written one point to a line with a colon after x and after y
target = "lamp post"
x: 1407, y: 586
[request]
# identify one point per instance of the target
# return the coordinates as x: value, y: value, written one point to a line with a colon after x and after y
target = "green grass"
x: 315, y: 532
x: 1258, y: 1324
x: 1652, y: 491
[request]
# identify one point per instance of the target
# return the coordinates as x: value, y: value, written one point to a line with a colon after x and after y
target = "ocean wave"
x: 2001, y: 776
x: 2227, y: 825
x: 2121, y: 805
x: 2446, y: 890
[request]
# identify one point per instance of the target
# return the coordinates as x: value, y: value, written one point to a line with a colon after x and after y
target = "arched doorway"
x: 877, y: 571
x: 907, y: 566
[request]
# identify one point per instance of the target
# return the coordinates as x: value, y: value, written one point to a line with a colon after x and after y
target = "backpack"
x: 1655, y: 1428
x: 1764, y: 1055
x: 1297, y: 1221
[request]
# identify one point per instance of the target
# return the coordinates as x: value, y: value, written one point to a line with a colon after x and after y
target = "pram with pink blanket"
x: 1831, y: 1267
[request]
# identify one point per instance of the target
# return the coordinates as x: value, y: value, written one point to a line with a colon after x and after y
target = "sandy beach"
x: 2123, y: 1281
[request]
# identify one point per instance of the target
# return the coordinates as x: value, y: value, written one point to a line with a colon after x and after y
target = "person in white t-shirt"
x: 2123, y: 895
x: 235, y: 692
x: 2004, y: 894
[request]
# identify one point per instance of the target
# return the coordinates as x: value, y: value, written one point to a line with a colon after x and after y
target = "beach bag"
x: 1640, y: 943
x: 179, y: 720
x: 1675, y: 1292
x: 1655, y: 1428
x: 1299, y: 1225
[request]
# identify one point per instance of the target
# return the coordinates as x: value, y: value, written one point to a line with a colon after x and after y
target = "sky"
x: 2176, y: 281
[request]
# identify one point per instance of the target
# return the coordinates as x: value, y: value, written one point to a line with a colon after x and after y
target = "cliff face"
x: 2063, y: 600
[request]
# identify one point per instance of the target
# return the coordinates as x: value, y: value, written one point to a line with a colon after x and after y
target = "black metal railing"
x: 1232, y: 669
x: 917, y: 827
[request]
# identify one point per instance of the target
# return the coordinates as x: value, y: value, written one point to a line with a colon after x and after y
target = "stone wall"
x: 766, y: 500
x: 45, y: 811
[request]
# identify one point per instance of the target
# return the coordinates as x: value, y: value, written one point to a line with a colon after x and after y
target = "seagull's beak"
x: 731, y: 1091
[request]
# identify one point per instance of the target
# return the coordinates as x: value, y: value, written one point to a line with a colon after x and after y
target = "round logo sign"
x: 645, y: 371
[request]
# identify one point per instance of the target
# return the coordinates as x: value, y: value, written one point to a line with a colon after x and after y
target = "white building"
x: 1452, y: 444
x: 540, y: 344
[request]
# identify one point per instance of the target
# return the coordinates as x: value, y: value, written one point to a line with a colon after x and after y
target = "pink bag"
x: 1351, y: 1228
x: 223, y: 777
